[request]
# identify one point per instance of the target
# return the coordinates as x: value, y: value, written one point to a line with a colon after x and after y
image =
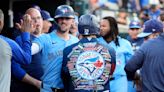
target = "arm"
x: 34, y: 47
x: 22, y: 55
x: 17, y: 71
x: 20, y: 73
x: 129, y: 51
x: 65, y: 72
x: 113, y: 59
x: 134, y: 63
x: 30, y: 80
x: 38, y: 44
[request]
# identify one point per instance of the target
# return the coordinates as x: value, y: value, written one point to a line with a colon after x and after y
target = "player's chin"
x: 102, y: 34
x: 63, y: 30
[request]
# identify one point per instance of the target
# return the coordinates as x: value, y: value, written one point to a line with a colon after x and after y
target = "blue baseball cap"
x: 134, y: 24
x: 46, y: 15
x: 151, y: 26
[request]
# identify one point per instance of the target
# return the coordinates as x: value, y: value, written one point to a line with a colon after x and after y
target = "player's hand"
x: 38, y: 84
x: 26, y: 24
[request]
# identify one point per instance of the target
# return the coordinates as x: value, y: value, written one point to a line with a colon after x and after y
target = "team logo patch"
x: 90, y: 65
x: 65, y: 10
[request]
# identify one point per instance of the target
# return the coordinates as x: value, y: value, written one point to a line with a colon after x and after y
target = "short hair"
x: 1, y: 15
x: 31, y: 10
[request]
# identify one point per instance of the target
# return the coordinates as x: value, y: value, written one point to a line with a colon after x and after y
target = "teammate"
x: 149, y: 57
x: 134, y: 29
x: 19, y: 55
x: 87, y: 64
x: 27, y: 78
x: 51, y: 48
x: 109, y: 32
x: 46, y: 21
x: 5, y: 66
x: 150, y: 30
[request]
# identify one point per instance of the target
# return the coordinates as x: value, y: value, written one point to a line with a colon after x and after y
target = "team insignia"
x: 90, y: 65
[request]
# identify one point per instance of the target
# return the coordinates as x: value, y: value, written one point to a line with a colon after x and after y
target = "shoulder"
x: 44, y: 36
x: 9, y: 41
x: 108, y: 47
x: 5, y: 49
x: 149, y: 43
x: 68, y: 49
x: 74, y: 38
x: 4, y: 44
x: 41, y: 38
x: 123, y: 41
x: 102, y: 41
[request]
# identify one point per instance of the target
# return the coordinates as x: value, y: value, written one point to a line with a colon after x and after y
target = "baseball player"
x: 87, y: 64
x: 51, y: 47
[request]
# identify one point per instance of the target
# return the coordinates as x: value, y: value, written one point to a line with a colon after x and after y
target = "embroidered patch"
x: 90, y: 65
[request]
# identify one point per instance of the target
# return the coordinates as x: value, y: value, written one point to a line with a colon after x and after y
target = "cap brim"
x: 141, y: 35
x: 134, y: 27
x: 59, y: 16
x: 50, y: 19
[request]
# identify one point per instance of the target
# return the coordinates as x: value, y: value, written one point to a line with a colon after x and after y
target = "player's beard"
x: 37, y: 31
x: 62, y: 30
x: 108, y: 35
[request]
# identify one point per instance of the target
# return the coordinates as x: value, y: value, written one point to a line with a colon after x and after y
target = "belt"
x: 57, y: 90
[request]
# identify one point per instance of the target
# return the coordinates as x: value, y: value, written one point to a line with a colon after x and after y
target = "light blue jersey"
x: 51, y: 47
x: 123, y: 54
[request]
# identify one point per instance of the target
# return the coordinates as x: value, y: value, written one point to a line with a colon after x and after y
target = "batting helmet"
x: 64, y: 11
x: 88, y: 24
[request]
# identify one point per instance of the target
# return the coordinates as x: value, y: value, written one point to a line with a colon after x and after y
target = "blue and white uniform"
x: 51, y: 47
x: 123, y: 54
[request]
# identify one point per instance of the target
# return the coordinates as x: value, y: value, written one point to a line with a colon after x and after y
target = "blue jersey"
x: 19, y: 55
x: 136, y: 43
x: 34, y: 69
x: 51, y: 47
x: 86, y: 66
x: 123, y: 54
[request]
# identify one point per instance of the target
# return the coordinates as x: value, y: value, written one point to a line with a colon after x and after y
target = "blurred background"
x: 123, y: 10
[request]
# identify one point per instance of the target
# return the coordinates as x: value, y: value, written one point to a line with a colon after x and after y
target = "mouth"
x: 37, y: 26
x: 63, y: 24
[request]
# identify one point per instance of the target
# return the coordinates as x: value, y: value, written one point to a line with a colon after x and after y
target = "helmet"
x: 64, y: 11
x: 88, y: 24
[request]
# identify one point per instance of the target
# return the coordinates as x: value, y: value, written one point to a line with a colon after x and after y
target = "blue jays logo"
x: 90, y: 65
x: 134, y: 23
x: 65, y: 10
